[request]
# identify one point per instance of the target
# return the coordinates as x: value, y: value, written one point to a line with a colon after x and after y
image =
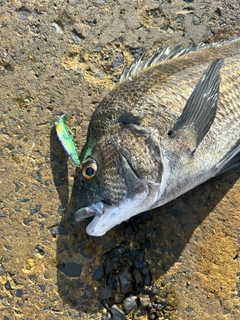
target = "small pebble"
x: 145, y: 301
x: 100, y: 74
x: 118, y: 60
x: 129, y: 304
x: 23, y: 15
x: 2, y: 271
x: 58, y: 229
x: 76, y: 37
x: 99, y: 273
x: 152, y: 316
x: 146, y: 276
x: 105, y: 293
x: 117, y: 251
x: 108, y: 265
x: 35, y: 210
x: 8, y: 285
x: 71, y: 269
x: 137, y: 277
x: 116, y: 313
x: 196, y: 21
x: 42, y: 287
x: 106, y: 316
x: 158, y: 306
x: 111, y: 281
x: 19, y: 293
x: 126, y: 283
x: 57, y: 28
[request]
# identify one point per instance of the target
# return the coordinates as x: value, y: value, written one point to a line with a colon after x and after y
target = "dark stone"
x: 10, y: 147
x: 2, y: 271
x: 146, y: 276
x: 116, y: 313
x: 71, y: 269
x: 106, y: 316
x: 3, y: 215
x: 99, y: 273
x: 138, y: 258
x: 129, y: 304
x: 33, y: 277
x: 158, y: 306
x: 111, y: 281
x: 19, y: 293
x: 126, y: 283
x: 42, y: 287
x: 145, y: 301
x: 189, y: 309
x: 23, y: 14
x: 105, y: 293
x: 137, y: 52
x: 39, y: 250
x: 77, y: 37
x: 137, y: 277
x: 25, y: 200
x: 27, y: 221
x: 105, y: 304
x: 35, y: 210
x: 117, y: 251
x: 98, y: 48
x: 108, y: 266
x: 115, y: 261
x: 8, y: 285
x: 58, y: 229
x: 196, y: 21
x: 118, y: 60
x: 100, y: 74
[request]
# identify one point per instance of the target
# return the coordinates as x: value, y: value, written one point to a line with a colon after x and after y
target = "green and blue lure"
x: 66, y: 140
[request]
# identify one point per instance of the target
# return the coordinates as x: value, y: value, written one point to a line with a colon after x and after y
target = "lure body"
x: 66, y: 140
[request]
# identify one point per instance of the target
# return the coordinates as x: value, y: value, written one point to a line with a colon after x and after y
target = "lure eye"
x: 89, y: 170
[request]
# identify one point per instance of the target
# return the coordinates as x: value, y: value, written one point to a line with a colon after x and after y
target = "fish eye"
x: 89, y: 169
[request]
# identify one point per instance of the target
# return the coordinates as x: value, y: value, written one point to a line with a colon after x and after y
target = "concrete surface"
x: 63, y: 57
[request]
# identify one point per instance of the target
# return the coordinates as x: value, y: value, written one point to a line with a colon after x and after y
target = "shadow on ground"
x: 160, y: 235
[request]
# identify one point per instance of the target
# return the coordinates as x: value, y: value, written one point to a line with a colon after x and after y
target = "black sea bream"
x: 171, y: 123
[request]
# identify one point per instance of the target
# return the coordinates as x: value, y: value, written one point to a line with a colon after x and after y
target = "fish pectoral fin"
x: 200, y: 110
x: 230, y: 161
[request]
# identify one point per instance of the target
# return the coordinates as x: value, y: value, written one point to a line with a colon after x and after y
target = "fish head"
x: 113, y: 185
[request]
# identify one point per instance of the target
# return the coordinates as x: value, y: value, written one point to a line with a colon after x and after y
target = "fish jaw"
x: 113, y: 215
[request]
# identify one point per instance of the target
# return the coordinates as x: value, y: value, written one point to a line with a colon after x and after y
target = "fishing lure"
x: 66, y: 140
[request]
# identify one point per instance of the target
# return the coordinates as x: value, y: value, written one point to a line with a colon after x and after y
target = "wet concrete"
x: 180, y: 261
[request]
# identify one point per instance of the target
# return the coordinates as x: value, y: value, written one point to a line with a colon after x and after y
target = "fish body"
x: 171, y: 123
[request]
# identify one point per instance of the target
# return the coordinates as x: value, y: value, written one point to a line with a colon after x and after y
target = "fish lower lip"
x: 89, y: 211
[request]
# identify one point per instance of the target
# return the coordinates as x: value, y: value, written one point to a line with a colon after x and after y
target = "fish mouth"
x: 95, y: 209
x: 108, y: 216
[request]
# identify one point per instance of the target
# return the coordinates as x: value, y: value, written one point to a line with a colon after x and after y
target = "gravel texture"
x: 180, y: 261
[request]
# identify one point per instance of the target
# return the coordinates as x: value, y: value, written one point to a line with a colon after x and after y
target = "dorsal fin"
x: 159, y: 56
